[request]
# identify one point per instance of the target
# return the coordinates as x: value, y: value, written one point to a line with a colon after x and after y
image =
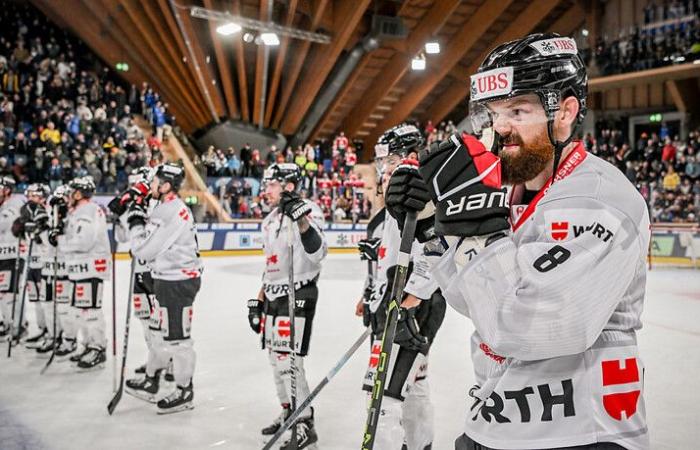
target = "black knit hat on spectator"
x: 172, y: 173
x: 545, y: 64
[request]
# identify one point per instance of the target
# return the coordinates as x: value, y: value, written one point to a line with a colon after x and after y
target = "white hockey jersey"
x: 419, y: 284
x: 9, y: 212
x: 276, y: 249
x: 121, y: 234
x: 85, y: 243
x: 168, y: 242
x: 556, y: 305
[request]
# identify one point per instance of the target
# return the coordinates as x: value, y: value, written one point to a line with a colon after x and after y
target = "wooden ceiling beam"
x: 279, y: 63
x: 240, y: 71
x: 346, y: 17
x: 521, y: 26
x: 397, y: 66
x: 570, y: 21
x: 223, y: 65
x: 300, y: 53
x: 261, y: 53
x: 468, y: 35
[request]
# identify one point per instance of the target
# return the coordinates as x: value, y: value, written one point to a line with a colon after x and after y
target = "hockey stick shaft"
x: 120, y: 389
x: 373, y: 413
x: 14, y: 295
x: 327, y: 379
x: 114, y: 309
x: 292, y: 303
x: 24, y: 280
x: 54, y: 218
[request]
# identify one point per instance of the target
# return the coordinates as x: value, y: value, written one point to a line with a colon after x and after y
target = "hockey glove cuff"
x: 255, y: 314
x: 408, y: 332
x: 408, y: 192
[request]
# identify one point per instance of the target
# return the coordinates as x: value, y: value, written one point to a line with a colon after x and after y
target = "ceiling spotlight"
x: 418, y: 63
x: 584, y: 32
x: 228, y: 29
x: 270, y: 39
x: 432, y: 48
x: 248, y: 37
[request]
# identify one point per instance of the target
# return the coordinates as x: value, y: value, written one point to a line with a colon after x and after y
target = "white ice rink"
x: 234, y: 392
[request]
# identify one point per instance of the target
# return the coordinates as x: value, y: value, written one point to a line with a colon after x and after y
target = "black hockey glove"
x: 255, y: 314
x: 408, y: 192
x: 408, y: 332
x: 41, y: 219
x: 464, y: 180
x: 369, y: 248
x: 366, y: 299
x: 293, y: 206
x: 137, y: 214
x: 54, y: 233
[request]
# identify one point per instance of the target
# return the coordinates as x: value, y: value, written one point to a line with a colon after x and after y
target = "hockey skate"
x: 78, y: 355
x: 180, y: 400
x: 36, y: 340
x: 47, y: 344
x: 93, y: 358
x: 144, y: 388
x: 306, y: 435
x: 66, y: 349
x: 140, y: 369
x: 169, y: 372
x: 3, y: 332
x: 279, y: 420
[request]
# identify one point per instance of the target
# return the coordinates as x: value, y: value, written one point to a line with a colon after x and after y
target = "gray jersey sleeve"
x: 164, y: 227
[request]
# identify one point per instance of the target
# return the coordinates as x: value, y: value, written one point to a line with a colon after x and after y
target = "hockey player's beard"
x: 527, y: 162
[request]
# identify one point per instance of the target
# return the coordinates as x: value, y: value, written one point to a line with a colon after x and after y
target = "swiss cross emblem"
x: 374, y: 356
x: 284, y: 328
x: 184, y: 214
x: 560, y: 230
x: 382, y: 252
x: 616, y: 373
x: 101, y: 265
x: 271, y: 260
x: 80, y: 291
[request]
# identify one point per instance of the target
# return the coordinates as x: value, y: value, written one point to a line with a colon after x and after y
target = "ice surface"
x: 234, y: 392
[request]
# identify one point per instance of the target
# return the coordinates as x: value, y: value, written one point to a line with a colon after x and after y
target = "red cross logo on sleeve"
x: 271, y: 260
x: 382, y: 252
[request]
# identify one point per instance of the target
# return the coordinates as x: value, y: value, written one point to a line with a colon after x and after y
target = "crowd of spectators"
x: 63, y: 113
x: 670, y: 35
x: 665, y: 169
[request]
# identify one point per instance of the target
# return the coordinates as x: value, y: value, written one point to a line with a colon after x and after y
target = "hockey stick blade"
x: 392, y: 317
x: 120, y: 388
x: 305, y: 404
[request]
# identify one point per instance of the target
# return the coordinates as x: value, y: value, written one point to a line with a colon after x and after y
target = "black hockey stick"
x: 291, y: 305
x: 305, y: 404
x: 53, y: 297
x: 373, y: 413
x: 14, y: 286
x: 120, y: 389
x: 114, y: 308
x: 25, y: 272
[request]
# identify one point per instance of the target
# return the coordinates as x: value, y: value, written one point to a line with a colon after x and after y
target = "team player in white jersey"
x: 85, y: 243
x: 10, y: 205
x: 167, y: 240
x: 407, y: 411
x: 268, y: 314
x: 555, y: 284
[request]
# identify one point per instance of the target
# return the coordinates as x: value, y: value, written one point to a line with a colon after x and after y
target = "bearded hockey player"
x: 33, y: 224
x: 10, y: 206
x: 554, y: 285
x: 167, y: 241
x: 407, y: 413
x: 144, y: 301
x: 268, y: 314
x: 88, y: 255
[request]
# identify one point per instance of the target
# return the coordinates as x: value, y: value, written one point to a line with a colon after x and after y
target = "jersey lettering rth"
x: 86, y: 243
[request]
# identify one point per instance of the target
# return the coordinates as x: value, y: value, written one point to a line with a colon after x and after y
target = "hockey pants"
x: 6, y: 303
x: 282, y: 371
x: 91, y: 325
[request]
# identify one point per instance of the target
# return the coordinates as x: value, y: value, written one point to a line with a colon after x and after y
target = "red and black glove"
x: 408, y: 192
x: 464, y: 180
x: 119, y: 204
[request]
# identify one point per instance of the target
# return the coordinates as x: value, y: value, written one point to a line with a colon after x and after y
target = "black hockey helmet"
x: 7, y: 182
x: 282, y: 172
x: 172, y: 173
x: 85, y: 185
x: 399, y: 140
x: 40, y: 189
x: 545, y: 64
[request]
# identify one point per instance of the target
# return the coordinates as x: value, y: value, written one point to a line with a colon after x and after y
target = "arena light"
x: 228, y: 29
x: 432, y: 48
x: 418, y: 63
x: 270, y: 39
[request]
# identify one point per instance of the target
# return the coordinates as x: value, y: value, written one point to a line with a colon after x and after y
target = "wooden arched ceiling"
x: 206, y: 77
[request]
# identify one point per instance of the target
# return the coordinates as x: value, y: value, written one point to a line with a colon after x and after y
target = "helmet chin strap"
x: 550, y: 101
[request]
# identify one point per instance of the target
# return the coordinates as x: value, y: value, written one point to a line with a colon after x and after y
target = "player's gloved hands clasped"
x: 464, y: 180
x: 255, y: 314
x: 137, y: 214
x: 368, y: 249
x: 408, y: 192
x: 408, y: 332
x: 54, y: 233
x: 293, y: 206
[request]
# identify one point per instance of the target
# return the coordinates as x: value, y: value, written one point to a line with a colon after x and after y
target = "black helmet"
x: 85, y: 185
x: 7, y: 182
x: 172, y: 173
x: 282, y: 172
x: 399, y: 140
x: 39, y: 189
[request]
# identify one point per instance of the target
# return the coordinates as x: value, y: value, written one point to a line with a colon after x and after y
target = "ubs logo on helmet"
x: 492, y: 83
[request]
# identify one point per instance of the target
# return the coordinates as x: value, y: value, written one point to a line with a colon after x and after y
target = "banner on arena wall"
x: 675, y: 245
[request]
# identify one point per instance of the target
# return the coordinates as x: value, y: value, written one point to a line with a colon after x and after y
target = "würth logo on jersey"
x: 284, y: 328
x: 560, y: 230
x: 492, y: 83
x: 101, y: 265
x: 620, y: 373
x: 184, y: 214
x: 271, y: 260
x: 80, y: 291
x: 374, y: 356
